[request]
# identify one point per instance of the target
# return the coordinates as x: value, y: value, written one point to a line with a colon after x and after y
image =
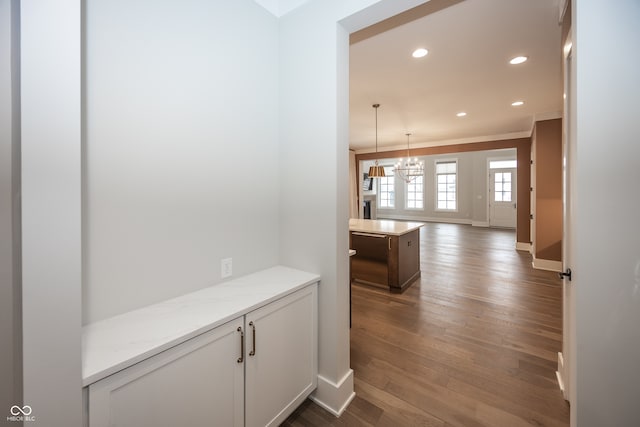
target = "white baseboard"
x: 480, y: 223
x: 426, y: 219
x: 523, y: 246
x: 560, y: 371
x: 545, y: 264
x: 334, y: 397
x: 561, y: 375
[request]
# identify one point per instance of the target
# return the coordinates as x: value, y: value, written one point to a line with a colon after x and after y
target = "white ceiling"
x: 467, y: 69
x: 280, y: 7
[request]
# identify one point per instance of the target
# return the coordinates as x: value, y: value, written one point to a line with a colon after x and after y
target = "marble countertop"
x: 383, y: 226
x: 113, y: 344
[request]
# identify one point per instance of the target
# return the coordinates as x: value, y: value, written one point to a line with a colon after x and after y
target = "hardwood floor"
x: 473, y: 342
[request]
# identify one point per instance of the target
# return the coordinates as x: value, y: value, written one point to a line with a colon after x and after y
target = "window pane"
x: 507, y: 176
x: 446, y: 179
x: 445, y: 167
x: 507, y: 196
x: 386, y: 187
x: 502, y: 164
x: 498, y: 196
x: 507, y: 186
x: 498, y: 188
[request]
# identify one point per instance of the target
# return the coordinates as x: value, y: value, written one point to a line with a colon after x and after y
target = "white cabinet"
x: 197, y: 383
x: 281, y: 363
x: 253, y: 371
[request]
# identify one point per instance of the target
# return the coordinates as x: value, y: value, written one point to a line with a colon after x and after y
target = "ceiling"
x: 467, y: 69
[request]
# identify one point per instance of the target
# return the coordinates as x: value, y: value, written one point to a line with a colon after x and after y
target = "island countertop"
x: 383, y: 226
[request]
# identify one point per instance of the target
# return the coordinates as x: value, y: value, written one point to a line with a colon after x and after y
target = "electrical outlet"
x: 226, y: 267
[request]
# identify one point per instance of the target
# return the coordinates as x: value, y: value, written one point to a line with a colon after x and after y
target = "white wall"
x: 607, y: 259
x: 10, y: 291
x: 51, y: 181
x: 155, y: 206
x: 472, y: 188
x: 314, y: 153
x: 181, y: 152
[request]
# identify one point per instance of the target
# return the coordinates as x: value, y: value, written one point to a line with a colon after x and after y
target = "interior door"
x: 502, y: 198
x: 568, y: 218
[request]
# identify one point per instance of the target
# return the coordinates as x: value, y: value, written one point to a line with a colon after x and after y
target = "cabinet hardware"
x: 241, y: 358
x: 253, y: 328
x: 389, y: 243
x: 566, y: 274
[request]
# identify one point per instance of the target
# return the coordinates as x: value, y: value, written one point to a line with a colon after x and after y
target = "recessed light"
x: 518, y: 60
x: 419, y: 53
x: 461, y: 114
x: 517, y: 103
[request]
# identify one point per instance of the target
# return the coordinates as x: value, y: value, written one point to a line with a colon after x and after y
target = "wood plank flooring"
x: 473, y: 342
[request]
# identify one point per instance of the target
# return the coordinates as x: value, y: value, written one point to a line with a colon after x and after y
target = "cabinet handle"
x: 241, y: 358
x: 253, y: 327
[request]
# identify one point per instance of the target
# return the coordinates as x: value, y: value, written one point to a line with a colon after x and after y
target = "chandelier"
x: 376, y: 171
x: 409, y: 170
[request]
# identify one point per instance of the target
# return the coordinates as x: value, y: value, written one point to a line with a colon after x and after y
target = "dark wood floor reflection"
x: 474, y: 342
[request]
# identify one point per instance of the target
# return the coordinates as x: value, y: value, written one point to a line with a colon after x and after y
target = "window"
x: 503, y: 187
x: 446, y: 177
x: 386, y: 189
x: 503, y: 164
x: 415, y: 193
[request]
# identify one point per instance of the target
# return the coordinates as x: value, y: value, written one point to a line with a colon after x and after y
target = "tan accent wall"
x: 548, y: 189
x: 523, y: 148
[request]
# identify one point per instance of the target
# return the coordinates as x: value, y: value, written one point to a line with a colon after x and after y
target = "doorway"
x: 502, y: 197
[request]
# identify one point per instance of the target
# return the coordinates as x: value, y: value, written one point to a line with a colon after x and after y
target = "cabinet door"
x: 197, y: 383
x: 281, y: 369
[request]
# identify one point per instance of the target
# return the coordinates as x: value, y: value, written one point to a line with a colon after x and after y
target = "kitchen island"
x: 387, y: 252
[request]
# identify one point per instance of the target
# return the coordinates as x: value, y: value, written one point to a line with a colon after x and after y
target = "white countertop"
x: 383, y: 226
x: 113, y: 344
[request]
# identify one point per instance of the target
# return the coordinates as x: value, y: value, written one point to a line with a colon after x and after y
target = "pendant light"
x: 409, y: 170
x: 376, y: 171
